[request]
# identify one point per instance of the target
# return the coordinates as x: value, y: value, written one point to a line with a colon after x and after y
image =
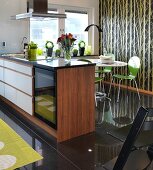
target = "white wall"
x: 13, y: 31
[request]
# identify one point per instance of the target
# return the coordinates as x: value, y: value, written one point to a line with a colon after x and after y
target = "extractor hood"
x: 40, y: 11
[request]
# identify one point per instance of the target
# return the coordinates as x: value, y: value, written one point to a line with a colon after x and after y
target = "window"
x: 41, y: 31
x: 75, y: 23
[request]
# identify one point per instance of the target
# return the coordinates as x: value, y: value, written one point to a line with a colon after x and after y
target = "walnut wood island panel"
x: 74, y: 94
x: 75, y: 102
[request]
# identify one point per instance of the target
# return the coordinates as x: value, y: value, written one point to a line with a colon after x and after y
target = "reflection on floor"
x: 90, y: 151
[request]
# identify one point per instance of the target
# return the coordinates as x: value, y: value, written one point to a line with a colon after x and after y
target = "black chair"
x: 144, y: 139
x: 129, y: 158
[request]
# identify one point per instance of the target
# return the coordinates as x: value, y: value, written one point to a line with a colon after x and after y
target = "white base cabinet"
x: 1, y: 88
x: 25, y: 102
x: 16, y: 84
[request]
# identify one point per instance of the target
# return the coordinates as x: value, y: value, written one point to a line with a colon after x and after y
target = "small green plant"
x: 49, y: 44
x: 81, y: 44
x: 57, y: 52
x: 75, y: 51
x: 32, y: 45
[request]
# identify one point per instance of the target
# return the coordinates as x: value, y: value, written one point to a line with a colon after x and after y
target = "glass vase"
x: 67, y: 56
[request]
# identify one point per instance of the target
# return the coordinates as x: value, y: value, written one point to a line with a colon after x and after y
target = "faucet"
x: 25, y: 46
x: 99, y: 29
x: 24, y: 38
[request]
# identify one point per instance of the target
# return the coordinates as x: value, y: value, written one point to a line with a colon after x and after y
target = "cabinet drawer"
x: 19, y: 81
x: 1, y: 73
x: 24, y: 102
x: 2, y: 89
x: 1, y: 62
x: 10, y: 93
x: 18, y: 67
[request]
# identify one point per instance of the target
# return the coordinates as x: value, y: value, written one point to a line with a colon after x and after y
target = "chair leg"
x: 137, y: 89
x: 95, y: 100
x: 119, y: 90
x: 112, y: 81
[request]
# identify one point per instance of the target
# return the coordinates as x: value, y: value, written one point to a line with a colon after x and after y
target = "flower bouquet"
x: 66, y: 42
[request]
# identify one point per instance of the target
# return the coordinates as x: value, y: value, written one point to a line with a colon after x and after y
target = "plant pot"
x: 49, y: 52
x: 58, y: 54
x: 75, y: 54
x: 32, y: 54
x: 81, y: 51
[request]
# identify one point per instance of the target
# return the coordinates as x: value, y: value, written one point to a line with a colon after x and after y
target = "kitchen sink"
x: 16, y: 55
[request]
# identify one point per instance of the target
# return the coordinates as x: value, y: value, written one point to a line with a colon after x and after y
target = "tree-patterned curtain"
x: 128, y: 31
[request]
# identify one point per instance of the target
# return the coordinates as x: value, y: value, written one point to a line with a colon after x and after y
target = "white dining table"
x: 114, y: 64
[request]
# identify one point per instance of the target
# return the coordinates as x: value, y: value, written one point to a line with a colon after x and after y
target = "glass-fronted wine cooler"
x: 45, y: 96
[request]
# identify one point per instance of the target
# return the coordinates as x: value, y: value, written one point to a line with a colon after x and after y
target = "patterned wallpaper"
x: 128, y: 31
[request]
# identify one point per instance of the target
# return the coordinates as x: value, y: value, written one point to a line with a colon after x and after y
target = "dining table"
x: 99, y: 63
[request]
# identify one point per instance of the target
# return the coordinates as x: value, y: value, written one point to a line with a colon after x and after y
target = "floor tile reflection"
x: 87, y: 152
x: 52, y: 160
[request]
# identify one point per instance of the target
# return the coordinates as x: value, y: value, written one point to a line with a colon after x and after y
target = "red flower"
x: 66, y: 41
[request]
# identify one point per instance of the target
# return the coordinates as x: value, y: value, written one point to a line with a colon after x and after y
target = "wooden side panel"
x: 75, y: 102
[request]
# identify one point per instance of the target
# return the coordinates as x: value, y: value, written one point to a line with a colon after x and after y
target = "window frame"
x: 61, y: 22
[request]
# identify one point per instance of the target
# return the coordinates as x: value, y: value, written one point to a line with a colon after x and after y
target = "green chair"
x: 98, y: 95
x: 106, y: 70
x: 97, y: 79
x: 133, y: 67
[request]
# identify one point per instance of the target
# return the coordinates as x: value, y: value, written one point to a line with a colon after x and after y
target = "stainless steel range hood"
x: 40, y: 11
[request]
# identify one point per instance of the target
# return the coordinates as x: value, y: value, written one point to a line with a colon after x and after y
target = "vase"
x: 32, y: 54
x: 67, y: 56
x: 49, y: 52
x: 81, y: 51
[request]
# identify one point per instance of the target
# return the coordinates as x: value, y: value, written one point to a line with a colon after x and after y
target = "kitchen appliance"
x: 45, y: 96
x: 40, y: 11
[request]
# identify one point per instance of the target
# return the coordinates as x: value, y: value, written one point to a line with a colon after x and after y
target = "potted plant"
x: 58, y: 52
x: 75, y: 52
x: 32, y: 51
x: 81, y: 45
x: 49, y: 48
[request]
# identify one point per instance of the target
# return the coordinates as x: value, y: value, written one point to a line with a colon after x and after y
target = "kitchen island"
x: 68, y: 92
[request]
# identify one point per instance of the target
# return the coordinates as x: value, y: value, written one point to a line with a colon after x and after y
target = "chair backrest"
x: 131, y: 137
x: 134, y: 65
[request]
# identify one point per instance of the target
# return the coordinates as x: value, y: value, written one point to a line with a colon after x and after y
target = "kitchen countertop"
x: 51, y: 64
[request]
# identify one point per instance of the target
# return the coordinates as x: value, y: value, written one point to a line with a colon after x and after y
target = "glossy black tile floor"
x: 86, y: 152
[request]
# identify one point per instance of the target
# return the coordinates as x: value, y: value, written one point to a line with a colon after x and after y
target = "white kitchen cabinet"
x: 16, y: 84
x: 1, y: 62
x: 1, y: 73
x: 10, y: 93
x: 17, y: 80
x: 24, y: 102
x: 18, y: 67
x: 1, y: 88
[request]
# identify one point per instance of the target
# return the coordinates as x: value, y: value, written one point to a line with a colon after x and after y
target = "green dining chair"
x: 97, y: 79
x: 106, y: 70
x: 98, y: 95
x: 133, y: 67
